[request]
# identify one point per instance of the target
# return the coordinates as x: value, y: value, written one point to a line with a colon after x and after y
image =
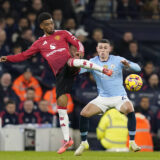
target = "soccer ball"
x: 133, y: 82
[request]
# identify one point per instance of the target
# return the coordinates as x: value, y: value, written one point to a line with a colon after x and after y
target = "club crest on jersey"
x: 105, y: 66
x: 112, y: 66
x: 57, y: 37
x: 52, y: 46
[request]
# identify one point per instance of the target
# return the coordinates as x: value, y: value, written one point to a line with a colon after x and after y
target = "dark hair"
x: 27, y: 69
x: 31, y: 12
x: 148, y: 62
x: 24, y: 30
x: 10, y: 102
x: 16, y: 45
x: 97, y: 30
x: 104, y: 41
x: 30, y: 88
x: 44, y: 16
x: 133, y: 41
x: 144, y: 97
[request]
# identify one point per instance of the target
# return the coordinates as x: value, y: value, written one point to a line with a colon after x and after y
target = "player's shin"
x: 88, y: 65
x: 64, y: 122
x: 131, y: 125
x: 84, y: 127
x: 132, y: 131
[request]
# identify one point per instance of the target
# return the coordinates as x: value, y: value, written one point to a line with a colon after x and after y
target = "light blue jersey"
x: 110, y: 86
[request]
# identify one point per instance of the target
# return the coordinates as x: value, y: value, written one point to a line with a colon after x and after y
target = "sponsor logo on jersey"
x: 57, y: 37
x: 58, y: 50
x: 105, y: 66
x: 52, y: 46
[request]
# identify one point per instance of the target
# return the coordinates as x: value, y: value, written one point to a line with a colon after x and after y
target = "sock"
x: 64, y: 122
x: 131, y: 125
x: 84, y: 64
x: 84, y: 127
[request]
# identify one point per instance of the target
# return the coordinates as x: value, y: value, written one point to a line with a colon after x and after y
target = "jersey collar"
x: 106, y: 60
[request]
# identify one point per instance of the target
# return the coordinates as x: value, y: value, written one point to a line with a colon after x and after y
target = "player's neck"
x: 104, y: 59
x: 47, y: 34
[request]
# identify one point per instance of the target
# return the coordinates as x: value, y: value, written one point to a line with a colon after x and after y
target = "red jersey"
x: 54, y: 48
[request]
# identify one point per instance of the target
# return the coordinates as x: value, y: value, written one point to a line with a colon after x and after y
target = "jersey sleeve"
x: 74, y: 41
x: 26, y: 54
x: 133, y: 66
x: 120, y: 59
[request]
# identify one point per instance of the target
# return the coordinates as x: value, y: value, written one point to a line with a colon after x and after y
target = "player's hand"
x: 125, y: 63
x: 3, y: 59
x: 78, y: 55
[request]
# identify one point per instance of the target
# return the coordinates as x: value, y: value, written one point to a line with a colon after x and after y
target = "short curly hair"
x: 44, y: 16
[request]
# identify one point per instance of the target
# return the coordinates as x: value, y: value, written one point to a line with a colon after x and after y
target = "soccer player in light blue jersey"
x: 111, y: 93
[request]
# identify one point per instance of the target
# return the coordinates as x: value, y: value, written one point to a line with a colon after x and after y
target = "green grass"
x: 90, y: 155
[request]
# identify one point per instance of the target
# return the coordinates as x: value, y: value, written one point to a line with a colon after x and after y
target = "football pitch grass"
x: 89, y: 155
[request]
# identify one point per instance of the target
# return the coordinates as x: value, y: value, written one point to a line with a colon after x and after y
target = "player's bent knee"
x: 84, y: 113
x: 62, y: 101
x: 127, y: 107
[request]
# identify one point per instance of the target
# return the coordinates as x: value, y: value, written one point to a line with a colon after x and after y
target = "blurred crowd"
x: 27, y: 89
x: 125, y: 9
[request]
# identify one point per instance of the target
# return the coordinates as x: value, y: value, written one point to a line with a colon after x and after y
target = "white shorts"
x: 105, y: 103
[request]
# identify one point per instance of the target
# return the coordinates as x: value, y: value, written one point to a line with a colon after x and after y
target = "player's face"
x: 47, y: 26
x: 103, y: 50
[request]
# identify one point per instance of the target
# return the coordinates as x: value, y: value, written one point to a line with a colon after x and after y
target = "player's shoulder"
x: 94, y: 59
x: 40, y: 39
x: 61, y: 32
x: 115, y: 57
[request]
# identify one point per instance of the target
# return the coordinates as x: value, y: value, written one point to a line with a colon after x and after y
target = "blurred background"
x: 27, y: 89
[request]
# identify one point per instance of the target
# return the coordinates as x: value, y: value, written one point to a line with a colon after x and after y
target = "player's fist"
x: 3, y: 59
x: 125, y: 63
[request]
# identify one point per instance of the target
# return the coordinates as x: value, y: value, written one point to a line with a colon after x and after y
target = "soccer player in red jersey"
x: 53, y: 46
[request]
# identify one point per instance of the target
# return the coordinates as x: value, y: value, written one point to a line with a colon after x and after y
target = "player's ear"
x: 97, y: 48
x: 110, y: 48
x: 41, y: 26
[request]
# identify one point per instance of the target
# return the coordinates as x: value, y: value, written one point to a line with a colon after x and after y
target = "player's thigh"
x: 90, y: 110
x: 127, y: 107
x: 64, y: 81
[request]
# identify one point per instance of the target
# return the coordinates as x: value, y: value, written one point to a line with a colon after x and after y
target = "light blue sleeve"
x: 134, y: 67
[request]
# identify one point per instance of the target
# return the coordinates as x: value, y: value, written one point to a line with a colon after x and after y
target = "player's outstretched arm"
x: 82, y: 63
x: 21, y: 56
x: 133, y: 66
